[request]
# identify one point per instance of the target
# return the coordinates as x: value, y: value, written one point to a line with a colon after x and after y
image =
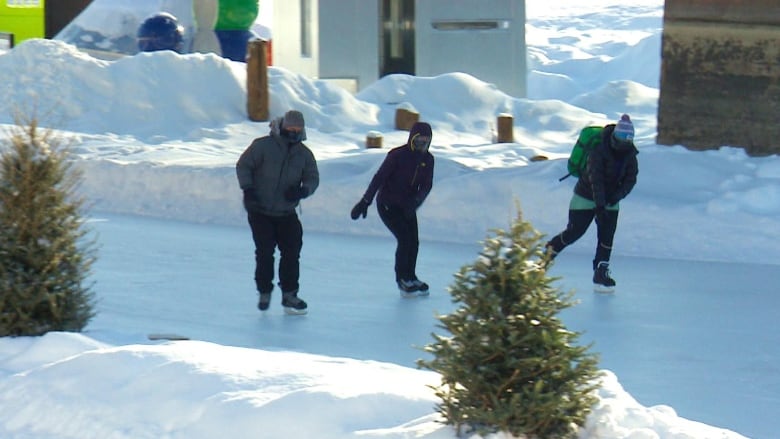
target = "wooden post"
x: 257, y: 99
x: 374, y: 139
x: 505, y: 128
x: 404, y: 118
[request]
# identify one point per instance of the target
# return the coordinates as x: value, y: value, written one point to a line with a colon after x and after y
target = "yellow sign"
x: 23, y: 18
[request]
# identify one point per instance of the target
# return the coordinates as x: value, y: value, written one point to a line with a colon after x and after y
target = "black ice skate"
x: 265, y: 301
x: 412, y: 288
x: 421, y: 286
x: 293, y: 304
x: 602, y: 281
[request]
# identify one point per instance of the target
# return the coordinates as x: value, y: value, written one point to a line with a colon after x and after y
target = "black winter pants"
x: 579, y: 221
x: 404, y: 227
x: 268, y: 232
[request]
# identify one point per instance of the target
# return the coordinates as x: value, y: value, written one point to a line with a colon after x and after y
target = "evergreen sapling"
x: 509, y: 364
x: 45, y: 256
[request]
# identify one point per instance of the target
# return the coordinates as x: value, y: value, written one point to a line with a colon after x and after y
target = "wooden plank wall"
x: 720, y: 75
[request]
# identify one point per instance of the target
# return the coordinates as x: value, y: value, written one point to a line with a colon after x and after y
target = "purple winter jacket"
x: 406, y: 176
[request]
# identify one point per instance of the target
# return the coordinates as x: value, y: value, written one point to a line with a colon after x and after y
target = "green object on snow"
x: 236, y: 14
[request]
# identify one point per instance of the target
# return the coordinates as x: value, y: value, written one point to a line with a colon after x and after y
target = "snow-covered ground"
x: 158, y: 136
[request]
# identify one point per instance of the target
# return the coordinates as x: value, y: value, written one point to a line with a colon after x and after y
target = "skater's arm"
x: 311, y: 174
x: 246, y: 165
x: 380, y: 177
x: 629, y: 180
x: 595, y: 170
x: 426, y: 185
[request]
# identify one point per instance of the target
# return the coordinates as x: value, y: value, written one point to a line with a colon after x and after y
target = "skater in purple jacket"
x: 401, y: 185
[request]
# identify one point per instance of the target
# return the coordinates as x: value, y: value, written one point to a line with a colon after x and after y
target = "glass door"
x: 397, y: 48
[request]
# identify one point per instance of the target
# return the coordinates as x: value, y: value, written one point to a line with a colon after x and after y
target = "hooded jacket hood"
x: 418, y: 129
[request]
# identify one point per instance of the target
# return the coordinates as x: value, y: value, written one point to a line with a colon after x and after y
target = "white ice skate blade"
x: 413, y: 294
x: 294, y: 312
x: 602, y: 289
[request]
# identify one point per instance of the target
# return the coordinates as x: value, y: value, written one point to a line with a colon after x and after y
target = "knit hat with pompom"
x: 624, y: 129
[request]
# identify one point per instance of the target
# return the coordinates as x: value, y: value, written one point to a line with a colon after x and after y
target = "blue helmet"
x: 160, y: 32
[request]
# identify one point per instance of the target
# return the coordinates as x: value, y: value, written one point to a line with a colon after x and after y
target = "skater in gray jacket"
x: 275, y: 172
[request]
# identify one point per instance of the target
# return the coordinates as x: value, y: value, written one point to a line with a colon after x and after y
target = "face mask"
x: 621, y: 144
x: 291, y: 136
x: 421, y: 144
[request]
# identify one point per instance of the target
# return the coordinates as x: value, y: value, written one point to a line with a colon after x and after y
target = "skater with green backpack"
x: 604, y: 160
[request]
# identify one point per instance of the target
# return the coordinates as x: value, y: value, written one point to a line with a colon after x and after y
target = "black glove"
x: 295, y: 193
x: 361, y: 208
x: 612, y: 200
x: 250, y: 201
x: 601, y: 214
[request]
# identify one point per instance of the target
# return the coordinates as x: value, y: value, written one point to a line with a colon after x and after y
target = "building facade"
x: 363, y: 40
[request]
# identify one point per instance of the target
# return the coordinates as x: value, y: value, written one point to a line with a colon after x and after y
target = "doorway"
x: 396, y: 45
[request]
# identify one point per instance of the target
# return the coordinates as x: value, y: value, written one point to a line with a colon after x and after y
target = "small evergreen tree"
x: 510, y: 365
x: 45, y: 257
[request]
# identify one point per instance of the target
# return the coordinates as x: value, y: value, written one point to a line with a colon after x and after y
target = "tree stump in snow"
x: 404, y: 119
x: 505, y: 128
x: 374, y: 139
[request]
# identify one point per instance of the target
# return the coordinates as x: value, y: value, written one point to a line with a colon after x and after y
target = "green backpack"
x: 588, y: 139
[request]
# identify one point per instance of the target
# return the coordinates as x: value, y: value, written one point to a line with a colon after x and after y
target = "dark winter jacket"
x: 270, y: 166
x: 610, y: 174
x: 406, y: 176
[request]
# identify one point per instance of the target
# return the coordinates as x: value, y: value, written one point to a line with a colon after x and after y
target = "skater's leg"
x: 579, y: 221
x: 606, y: 233
x: 290, y: 241
x: 411, y: 245
x: 602, y: 279
x: 264, y: 237
x: 406, y: 239
x: 404, y: 227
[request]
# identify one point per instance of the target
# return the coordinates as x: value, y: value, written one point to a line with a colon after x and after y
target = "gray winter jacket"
x: 270, y: 166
